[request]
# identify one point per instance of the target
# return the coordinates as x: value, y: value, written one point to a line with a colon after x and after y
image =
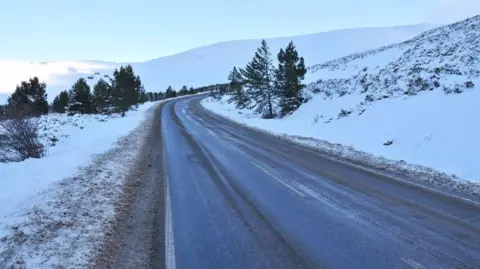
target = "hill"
x: 205, y: 65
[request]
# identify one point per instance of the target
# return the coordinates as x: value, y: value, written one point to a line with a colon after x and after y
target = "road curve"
x: 237, y: 198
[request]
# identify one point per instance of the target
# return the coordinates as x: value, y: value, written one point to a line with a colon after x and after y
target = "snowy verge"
x: 56, y: 210
x: 291, y: 130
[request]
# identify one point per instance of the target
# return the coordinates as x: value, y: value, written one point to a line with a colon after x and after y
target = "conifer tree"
x: 288, y: 79
x: 239, y: 96
x: 170, y: 93
x: 29, y: 98
x: 191, y: 91
x: 127, y: 89
x: 81, y: 97
x: 101, y: 95
x: 60, y: 102
x: 150, y: 97
x: 183, y: 91
x: 259, y: 78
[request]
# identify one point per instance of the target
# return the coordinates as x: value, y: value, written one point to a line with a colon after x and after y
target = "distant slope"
x: 205, y: 65
x: 211, y: 64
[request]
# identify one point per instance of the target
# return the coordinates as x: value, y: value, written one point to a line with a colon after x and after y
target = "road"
x: 237, y: 198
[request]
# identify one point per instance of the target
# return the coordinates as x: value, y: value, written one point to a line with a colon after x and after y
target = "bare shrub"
x: 19, y: 138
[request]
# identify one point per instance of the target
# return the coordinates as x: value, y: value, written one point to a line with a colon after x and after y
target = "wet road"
x: 241, y: 199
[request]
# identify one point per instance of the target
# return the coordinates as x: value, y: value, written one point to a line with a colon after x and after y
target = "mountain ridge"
x: 204, y: 65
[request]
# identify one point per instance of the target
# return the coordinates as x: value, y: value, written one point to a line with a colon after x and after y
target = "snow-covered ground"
x: 422, y: 95
x: 432, y: 129
x: 201, y: 66
x: 54, y: 210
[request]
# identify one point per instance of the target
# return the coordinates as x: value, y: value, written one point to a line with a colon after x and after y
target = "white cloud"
x: 449, y: 11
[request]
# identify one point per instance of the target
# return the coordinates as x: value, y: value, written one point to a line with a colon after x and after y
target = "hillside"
x: 205, y: 65
x: 445, y: 58
x: 413, y: 102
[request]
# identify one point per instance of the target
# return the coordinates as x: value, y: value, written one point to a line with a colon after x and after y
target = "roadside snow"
x: 54, y: 210
x: 413, y: 105
x: 431, y: 129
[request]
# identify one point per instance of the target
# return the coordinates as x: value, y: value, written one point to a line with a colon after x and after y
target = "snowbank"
x: 54, y: 210
x: 431, y: 129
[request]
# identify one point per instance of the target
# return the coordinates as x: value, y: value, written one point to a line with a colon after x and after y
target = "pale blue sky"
x: 116, y: 30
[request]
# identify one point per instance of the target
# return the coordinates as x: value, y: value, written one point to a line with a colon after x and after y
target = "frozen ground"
x: 54, y: 211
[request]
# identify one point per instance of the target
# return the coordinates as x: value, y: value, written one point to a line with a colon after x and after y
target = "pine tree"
x: 29, y: 98
x: 127, y: 89
x: 191, y: 91
x: 82, y: 98
x: 160, y: 96
x: 170, y: 93
x: 259, y: 78
x: 291, y: 71
x: 150, y: 97
x: 239, y: 96
x: 60, y: 102
x: 183, y: 91
x: 101, y: 95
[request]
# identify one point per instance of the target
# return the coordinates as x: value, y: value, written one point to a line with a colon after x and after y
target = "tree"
x: 150, y: 97
x: 191, y: 91
x: 82, y: 98
x: 60, y: 102
x: 183, y: 91
x: 239, y: 96
x: 101, y: 95
x: 143, y: 97
x: 170, y: 93
x: 3, y: 111
x: 259, y: 78
x: 291, y: 71
x: 29, y: 98
x: 158, y: 96
x: 127, y: 89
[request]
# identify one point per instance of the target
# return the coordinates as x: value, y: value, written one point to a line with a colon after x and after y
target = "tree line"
x: 19, y: 122
x: 270, y: 91
x: 123, y: 91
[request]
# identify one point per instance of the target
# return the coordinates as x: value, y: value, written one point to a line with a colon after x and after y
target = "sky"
x: 132, y: 31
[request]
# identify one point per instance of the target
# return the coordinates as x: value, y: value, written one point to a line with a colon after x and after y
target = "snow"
x: 80, y: 137
x: 390, y: 93
x: 432, y: 129
x: 75, y: 187
x: 205, y: 65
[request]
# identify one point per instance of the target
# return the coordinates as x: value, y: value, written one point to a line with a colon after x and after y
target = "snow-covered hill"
x: 205, y: 65
x: 416, y: 102
x: 446, y: 58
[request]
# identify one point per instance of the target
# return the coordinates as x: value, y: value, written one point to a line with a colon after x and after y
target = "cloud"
x: 449, y: 11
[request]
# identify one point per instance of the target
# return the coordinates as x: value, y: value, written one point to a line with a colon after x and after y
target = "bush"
x: 344, y: 113
x: 469, y: 84
x: 436, y: 84
x: 19, y: 138
x: 369, y: 98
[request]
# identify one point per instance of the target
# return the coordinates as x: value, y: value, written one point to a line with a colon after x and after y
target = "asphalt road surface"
x: 237, y: 198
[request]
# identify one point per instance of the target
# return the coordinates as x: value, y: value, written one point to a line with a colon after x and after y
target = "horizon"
x: 223, y: 42
x: 153, y: 30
